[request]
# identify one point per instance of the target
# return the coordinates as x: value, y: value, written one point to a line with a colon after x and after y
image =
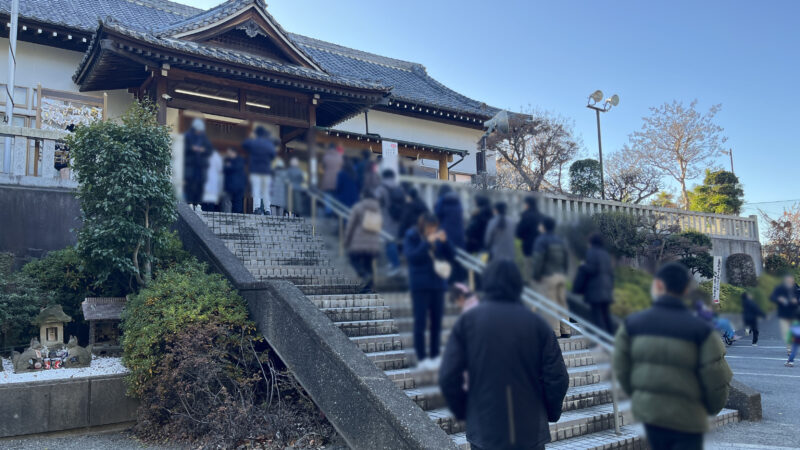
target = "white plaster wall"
x: 53, y: 68
x: 395, y: 126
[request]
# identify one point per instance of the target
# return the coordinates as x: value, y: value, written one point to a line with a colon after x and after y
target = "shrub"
x: 181, y: 296
x: 741, y: 270
x: 776, y: 264
x: 730, y: 297
x: 691, y: 249
x: 127, y: 199
x: 622, y: 232
x: 213, y: 388
x: 631, y: 291
x: 21, y: 299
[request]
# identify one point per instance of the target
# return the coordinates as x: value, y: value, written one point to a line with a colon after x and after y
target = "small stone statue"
x: 28, y: 360
x: 77, y: 356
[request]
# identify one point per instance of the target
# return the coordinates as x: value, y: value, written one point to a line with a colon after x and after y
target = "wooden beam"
x: 183, y: 75
x: 235, y: 113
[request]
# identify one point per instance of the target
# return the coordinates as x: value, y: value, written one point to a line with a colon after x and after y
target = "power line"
x: 775, y: 201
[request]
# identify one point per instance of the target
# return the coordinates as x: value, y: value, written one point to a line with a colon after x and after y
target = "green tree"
x: 20, y: 301
x: 584, y: 178
x: 692, y: 249
x: 720, y: 193
x: 664, y: 199
x: 126, y: 195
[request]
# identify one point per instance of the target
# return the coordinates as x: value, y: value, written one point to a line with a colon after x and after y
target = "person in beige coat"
x: 362, y: 238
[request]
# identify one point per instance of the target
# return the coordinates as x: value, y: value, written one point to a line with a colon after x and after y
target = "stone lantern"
x: 51, y: 322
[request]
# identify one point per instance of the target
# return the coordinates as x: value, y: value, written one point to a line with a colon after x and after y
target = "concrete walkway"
x: 762, y: 369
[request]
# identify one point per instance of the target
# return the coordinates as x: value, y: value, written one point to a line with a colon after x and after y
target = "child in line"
x: 462, y: 296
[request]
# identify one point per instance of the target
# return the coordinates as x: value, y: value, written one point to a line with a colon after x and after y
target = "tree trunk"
x: 685, y: 195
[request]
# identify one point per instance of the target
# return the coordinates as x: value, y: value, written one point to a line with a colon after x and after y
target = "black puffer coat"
x: 595, y: 278
x: 517, y: 377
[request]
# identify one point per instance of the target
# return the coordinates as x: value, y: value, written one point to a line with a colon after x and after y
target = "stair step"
x: 430, y: 397
x: 413, y: 377
x: 630, y: 438
x: 274, y: 262
x: 367, y: 327
x: 351, y: 314
x: 380, y: 343
x: 346, y: 301
x: 390, y: 360
x: 572, y: 423
x: 333, y: 289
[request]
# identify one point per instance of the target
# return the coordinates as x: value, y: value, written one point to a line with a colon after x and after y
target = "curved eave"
x: 116, y: 49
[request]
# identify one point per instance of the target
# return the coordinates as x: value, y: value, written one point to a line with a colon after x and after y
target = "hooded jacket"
x: 450, y: 213
x: 595, y: 278
x: 750, y: 310
x: 516, y: 373
x: 672, y: 365
x: 528, y: 229
x: 476, y: 228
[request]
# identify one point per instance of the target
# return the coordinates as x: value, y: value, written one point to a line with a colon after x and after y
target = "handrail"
x: 533, y: 299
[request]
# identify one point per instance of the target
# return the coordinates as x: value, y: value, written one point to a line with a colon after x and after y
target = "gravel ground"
x: 116, y: 440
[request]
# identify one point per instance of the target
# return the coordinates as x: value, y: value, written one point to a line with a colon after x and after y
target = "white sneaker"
x: 424, y: 364
x: 436, y: 362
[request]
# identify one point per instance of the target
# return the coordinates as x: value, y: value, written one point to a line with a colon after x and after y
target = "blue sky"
x: 552, y: 55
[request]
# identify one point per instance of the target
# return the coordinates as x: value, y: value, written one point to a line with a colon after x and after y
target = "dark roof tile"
x: 409, y: 81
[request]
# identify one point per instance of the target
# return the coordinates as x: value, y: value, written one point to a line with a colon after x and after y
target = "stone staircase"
x: 380, y: 325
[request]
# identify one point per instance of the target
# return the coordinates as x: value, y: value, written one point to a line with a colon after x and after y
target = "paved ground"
x: 117, y: 440
x: 762, y: 368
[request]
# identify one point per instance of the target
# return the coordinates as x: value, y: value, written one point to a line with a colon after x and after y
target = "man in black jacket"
x: 527, y: 232
x: 785, y: 296
x: 750, y: 314
x: 478, y: 221
x: 516, y: 375
x: 595, y: 281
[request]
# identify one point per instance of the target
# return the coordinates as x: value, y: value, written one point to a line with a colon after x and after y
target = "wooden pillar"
x: 444, y: 172
x: 161, y: 89
x: 311, y: 141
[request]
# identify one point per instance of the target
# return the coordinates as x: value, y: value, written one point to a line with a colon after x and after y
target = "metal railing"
x: 567, y: 208
x: 541, y: 304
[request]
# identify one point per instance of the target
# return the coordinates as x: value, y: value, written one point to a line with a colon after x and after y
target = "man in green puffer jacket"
x: 672, y: 365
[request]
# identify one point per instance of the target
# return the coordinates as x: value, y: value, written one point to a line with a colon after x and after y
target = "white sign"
x: 390, y: 155
x: 717, y: 277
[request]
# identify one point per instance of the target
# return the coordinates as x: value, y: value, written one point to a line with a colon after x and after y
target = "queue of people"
x: 217, y: 180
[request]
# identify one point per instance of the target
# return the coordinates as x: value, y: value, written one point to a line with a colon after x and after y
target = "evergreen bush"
x: 741, y: 270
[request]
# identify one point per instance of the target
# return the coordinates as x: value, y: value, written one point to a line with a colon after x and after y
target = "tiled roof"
x: 84, y: 14
x: 103, y: 308
x: 233, y: 56
x: 409, y: 81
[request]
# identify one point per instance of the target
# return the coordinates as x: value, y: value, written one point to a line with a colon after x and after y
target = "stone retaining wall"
x: 58, y: 405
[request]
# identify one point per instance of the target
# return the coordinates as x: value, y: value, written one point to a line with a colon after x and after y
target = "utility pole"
x: 12, y: 65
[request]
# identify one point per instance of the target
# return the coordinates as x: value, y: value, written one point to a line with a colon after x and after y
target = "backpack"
x: 397, y: 203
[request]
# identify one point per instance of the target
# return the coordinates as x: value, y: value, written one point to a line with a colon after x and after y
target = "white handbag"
x: 441, y: 267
